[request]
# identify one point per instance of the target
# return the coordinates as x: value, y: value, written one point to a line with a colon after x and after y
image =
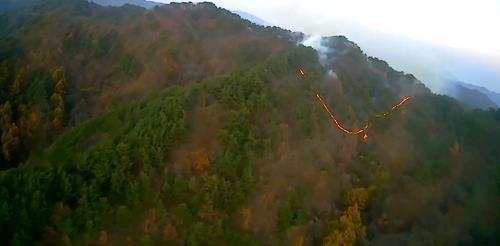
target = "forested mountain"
x: 470, y: 97
x: 492, y: 95
x: 141, y: 3
x: 187, y: 125
x: 252, y: 18
x: 8, y: 5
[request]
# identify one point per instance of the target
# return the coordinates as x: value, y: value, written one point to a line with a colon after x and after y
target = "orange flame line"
x: 403, y: 101
x: 301, y: 72
x: 337, y: 123
x: 367, y: 124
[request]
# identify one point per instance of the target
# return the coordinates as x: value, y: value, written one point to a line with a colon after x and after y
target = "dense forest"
x: 187, y: 125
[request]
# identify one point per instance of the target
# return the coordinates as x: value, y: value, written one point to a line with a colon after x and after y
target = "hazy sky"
x: 452, y: 32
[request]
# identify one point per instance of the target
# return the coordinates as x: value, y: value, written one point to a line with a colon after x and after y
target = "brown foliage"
x: 58, y: 118
x: 200, y: 160
x: 349, y: 227
x: 60, y: 87
x: 169, y: 232
x: 57, y: 97
x: 358, y: 196
x: 299, y: 241
x: 58, y: 74
x: 5, y: 114
x: 103, y: 238
x: 170, y: 67
x: 246, y: 214
x: 10, y: 140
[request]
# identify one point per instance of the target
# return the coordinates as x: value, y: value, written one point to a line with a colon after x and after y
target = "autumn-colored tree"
x: 57, y: 100
x: 170, y: 67
x: 5, y: 114
x: 19, y: 82
x: 10, y: 140
x: 29, y: 124
x: 299, y: 241
x: 169, y: 232
x: 349, y: 227
x: 246, y: 215
x: 58, y: 118
x: 200, y: 160
x: 358, y: 196
x: 103, y: 238
x: 58, y: 74
x: 60, y: 87
x: 57, y: 97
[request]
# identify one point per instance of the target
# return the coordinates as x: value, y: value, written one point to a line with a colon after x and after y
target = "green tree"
x: 19, y: 82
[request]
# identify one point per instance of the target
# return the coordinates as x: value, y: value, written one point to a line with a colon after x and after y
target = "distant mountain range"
x: 472, y: 96
x: 142, y: 3
x: 6, y: 5
x: 493, y: 96
x: 151, y: 4
x: 252, y: 18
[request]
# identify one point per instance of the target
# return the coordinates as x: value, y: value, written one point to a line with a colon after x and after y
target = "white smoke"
x: 317, y: 42
x: 331, y: 74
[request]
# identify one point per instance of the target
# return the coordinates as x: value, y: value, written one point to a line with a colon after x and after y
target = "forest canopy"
x: 192, y: 126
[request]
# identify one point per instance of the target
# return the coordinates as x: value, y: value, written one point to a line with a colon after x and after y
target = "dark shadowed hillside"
x: 470, y: 97
x: 187, y: 125
x: 11, y: 5
x: 492, y: 95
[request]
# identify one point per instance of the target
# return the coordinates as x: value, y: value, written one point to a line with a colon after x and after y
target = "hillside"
x: 252, y: 18
x: 9, y: 5
x: 193, y: 127
x: 107, y: 62
x: 492, y: 95
x: 117, y: 3
x: 471, y: 97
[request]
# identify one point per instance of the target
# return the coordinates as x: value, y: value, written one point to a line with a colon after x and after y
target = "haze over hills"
x: 252, y: 18
x: 185, y: 124
x: 470, y: 96
x: 493, y: 96
x: 7, y: 5
x: 142, y: 3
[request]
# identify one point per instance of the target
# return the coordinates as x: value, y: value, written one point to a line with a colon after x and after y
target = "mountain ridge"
x: 493, y: 95
x: 116, y: 3
x: 187, y: 125
x: 470, y: 96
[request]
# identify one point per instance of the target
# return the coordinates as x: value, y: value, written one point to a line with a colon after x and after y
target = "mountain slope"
x: 188, y: 53
x: 252, y: 18
x: 8, y: 5
x: 493, y: 96
x: 238, y: 154
x: 142, y: 3
x: 469, y: 96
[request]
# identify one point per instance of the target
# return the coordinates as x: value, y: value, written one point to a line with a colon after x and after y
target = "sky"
x: 436, y: 40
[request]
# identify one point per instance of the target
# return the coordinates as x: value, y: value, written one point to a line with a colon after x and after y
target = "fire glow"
x: 403, y: 101
x: 301, y: 72
x: 359, y: 131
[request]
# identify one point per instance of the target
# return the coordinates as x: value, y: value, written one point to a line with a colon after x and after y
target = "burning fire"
x: 337, y: 123
x: 301, y: 72
x: 359, y: 131
x: 403, y: 101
